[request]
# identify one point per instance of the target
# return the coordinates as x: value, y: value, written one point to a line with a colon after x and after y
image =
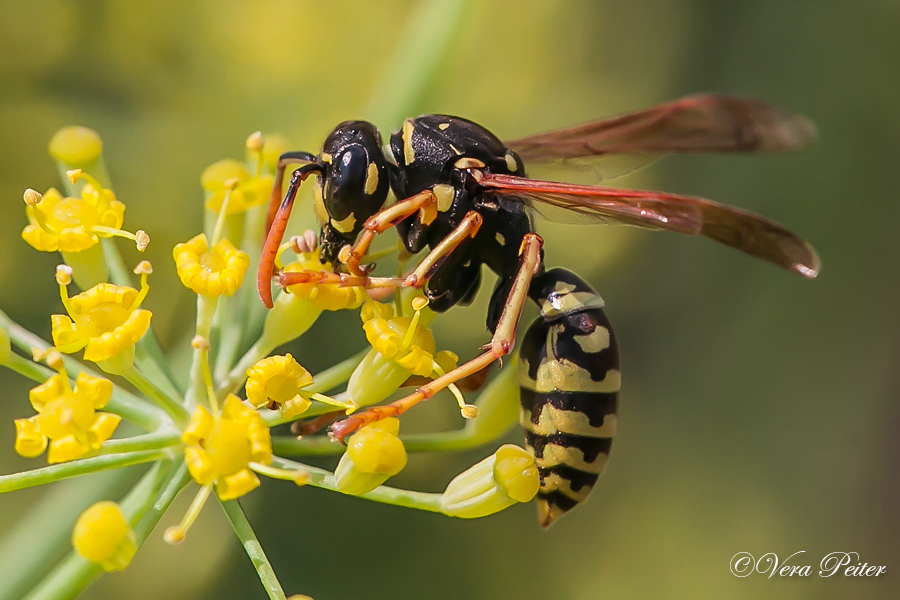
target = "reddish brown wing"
x: 656, y: 210
x: 704, y: 123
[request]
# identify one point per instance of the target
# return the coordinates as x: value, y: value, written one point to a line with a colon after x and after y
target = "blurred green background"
x: 759, y: 411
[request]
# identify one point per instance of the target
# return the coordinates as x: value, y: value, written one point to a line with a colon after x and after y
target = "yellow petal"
x: 236, y: 485
x: 29, y: 441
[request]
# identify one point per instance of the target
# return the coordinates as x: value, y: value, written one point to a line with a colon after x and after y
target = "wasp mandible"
x: 463, y: 193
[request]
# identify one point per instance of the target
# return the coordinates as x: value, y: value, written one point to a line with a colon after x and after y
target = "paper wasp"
x: 463, y: 193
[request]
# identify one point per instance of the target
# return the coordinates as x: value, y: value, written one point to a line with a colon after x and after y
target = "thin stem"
x: 26, y: 479
x: 386, y: 495
x: 171, y: 405
x: 163, y: 438
x: 206, y: 311
x: 425, y: 38
x: 144, y: 505
x: 254, y: 550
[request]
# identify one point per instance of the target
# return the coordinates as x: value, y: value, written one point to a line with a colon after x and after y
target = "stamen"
x: 255, y: 143
x: 298, y: 476
x: 175, y: 535
x: 278, y: 262
x: 76, y: 175
x: 64, y: 278
x: 144, y: 269
x: 349, y: 406
x: 230, y: 186
x: 112, y: 231
x: 141, y: 240
x: 418, y: 303
x: 32, y: 198
x: 208, y: 379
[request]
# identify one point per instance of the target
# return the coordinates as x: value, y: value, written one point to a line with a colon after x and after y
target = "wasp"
x: 463, y: 194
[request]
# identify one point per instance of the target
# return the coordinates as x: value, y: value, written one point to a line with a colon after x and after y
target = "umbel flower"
x: 201, y: 433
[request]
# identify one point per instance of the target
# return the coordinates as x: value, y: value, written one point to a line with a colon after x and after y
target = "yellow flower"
x: 506, y: 477
x: 250, y: 191
x: 328, y: 296
x: 401, y: 346
x: 105, y: 320
x: 278, y: 381
x: 210, y: 271
x: 221, y: 449
x: 374, y: 454
x: 102, y: 535
x: 67, y: 418
x: 73, y: 225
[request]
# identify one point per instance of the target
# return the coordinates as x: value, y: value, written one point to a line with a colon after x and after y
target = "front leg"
x: 501, y: 344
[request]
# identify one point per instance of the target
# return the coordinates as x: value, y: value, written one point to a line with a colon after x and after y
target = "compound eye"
x: 347, y: 181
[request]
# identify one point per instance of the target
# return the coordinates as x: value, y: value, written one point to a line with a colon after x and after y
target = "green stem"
x: 26, y: 479
x: 42, y: 532
x: 163, y: 438
x: 143, y: 507
x: 206, y: 312
x: 424, y: 40
x: 171, y: 405
x: 122, y: 402
x: 253, y: 548
x: 386, y: 495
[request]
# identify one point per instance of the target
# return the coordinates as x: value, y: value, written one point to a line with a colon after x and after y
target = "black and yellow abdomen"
x: 569, y: 382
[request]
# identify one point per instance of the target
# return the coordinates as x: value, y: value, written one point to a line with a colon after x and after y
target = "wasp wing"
x: 689, y: 215
x: 702, y: 123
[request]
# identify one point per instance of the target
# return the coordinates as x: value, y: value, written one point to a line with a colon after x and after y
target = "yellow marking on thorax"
x: 443, y: 126
x: 556, y: 483
x: 455, y: 149
x: 562, y: 287
x: 444, y: 193
x: 468, y: 163
x: 573, y: 422
x: 319, y: 200
x: 511, y: 162
x: 345, y: 225
x: 409, y: 154
x: 555, y: 455
x: 500, y: 239
x: 371, y: 179
x: 326, y: 157
x: 594, y: 341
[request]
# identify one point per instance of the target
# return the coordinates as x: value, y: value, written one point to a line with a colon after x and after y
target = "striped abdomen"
x: 569, y: 390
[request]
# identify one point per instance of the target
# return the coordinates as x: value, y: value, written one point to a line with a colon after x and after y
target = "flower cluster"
x: 214, y: 431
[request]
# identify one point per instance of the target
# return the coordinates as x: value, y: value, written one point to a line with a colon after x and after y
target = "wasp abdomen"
x: 569, y: 390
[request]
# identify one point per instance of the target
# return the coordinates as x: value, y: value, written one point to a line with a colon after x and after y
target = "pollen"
x: 278, y: 381
x: 210, y: 271
x: 220, y: 449
x: 67, y: 419
x: 103, y: 536
x: 105, y: 320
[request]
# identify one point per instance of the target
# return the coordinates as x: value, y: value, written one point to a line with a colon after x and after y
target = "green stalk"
x: 172, y: 406
x: 143, y: 507
x: 26, y: 479
x: 423, y: 43
x: 386, y: 495
x: 157, y: 440
x: 254, y: 550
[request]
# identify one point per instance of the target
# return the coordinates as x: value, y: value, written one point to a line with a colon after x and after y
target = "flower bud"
x: 76, y: 146
x: 102, y: 535
x: 374, y: 454
x: 499, y: 481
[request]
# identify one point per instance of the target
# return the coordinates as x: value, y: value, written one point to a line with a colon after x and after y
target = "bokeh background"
x: 759, y: 410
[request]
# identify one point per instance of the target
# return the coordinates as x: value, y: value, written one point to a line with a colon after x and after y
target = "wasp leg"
x: 283, y: 161
x: 417, y: 279
x: 501, y: 344
x: 276, y: 232
x: 387, y: 218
